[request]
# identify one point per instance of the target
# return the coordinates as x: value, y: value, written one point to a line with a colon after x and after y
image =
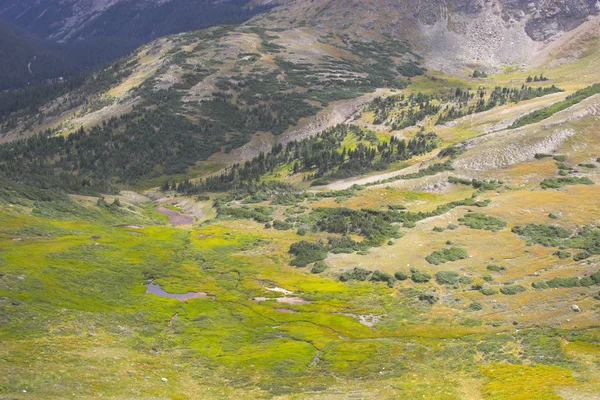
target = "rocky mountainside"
x: 92, y: 32
x: 448, y: 32
x: 289, y: 72
x: 142, y: 19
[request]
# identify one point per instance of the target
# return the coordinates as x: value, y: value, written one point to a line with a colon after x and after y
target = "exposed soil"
x: 175, y: 217
x: 286, y: 300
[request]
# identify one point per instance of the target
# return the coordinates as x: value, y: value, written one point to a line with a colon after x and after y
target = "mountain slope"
x: 26, y: 59
x: 140, y: 19
x: 386, y: 231
x: 91, y: 33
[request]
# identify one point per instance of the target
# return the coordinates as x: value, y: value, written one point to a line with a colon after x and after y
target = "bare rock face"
x: 449, y: 33
x: 546, y: 18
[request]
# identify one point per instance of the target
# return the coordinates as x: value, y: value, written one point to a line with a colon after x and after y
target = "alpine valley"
x: 306, y: 199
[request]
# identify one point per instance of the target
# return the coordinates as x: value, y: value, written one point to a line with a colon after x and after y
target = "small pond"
x: 156, y: 289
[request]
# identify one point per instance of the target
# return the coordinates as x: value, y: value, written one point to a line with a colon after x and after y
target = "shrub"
x: 465, y: 280
x: 488, y: 278
x: 546, y: 235
x: 447, y: 277
x: 563, y: 181
x: 586, y: 281
x: 307, y: 252
x: 475, y: 306
x: 591, y: 243
x: 401, y: 276
x: 357, y: 274
x: 319, y: 267
x: 282, y: 225
x: 446, y: 255
x: 379, y: 276
x: 540, y: 285
x: 560, y: 282
x: 420, y: 276
x: 512, y: 289
x: 482, y: 221
x: 562, y: 254
x: 489, y: 291
x: 495, y: 268
x: 429, y: 298
x: 582, y: 255
x: 596, y: 277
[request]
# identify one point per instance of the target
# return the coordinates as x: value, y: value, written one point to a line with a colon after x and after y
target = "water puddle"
x: 156, y: 289
x: 279, y: 290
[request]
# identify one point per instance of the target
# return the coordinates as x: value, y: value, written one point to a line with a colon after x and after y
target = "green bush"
x: 562, y: 254
x: 379, y: 276
x: 447, y: 277
x: 307, y: 252
x: 586, y: 281
x: 540, y: 285
x: 357, y: 274
x: 429, y: 298
x: 495, y: 268
x: 560, y: 282
x: 560, y: 158
x: 482, y: 221
x: 563, y: 181
x: 319, y: 267
x: 489, y: 291
x: 418, y: 276
x: 465, y: 280
x: 567, y: 282
x: 546, y: 235
x: 282, y: 225
x: 512, y: 289
x: 475, y: 306
x: 446, y: 255
x: 582, y: 255
x: 401, y: 276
